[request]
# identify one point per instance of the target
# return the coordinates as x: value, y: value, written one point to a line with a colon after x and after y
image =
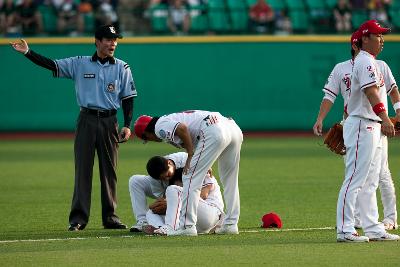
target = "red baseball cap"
x: 355, y: 37
x: 372, y: 26
x: 271, y: 220
x: 141, y: 124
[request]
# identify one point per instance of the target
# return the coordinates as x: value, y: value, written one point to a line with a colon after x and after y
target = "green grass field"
x: 295, y: 177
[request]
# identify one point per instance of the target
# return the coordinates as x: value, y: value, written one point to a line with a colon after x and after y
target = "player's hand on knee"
x: 187, y: 165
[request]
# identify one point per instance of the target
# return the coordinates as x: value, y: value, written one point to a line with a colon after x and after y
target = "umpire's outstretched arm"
x: 40, y: 60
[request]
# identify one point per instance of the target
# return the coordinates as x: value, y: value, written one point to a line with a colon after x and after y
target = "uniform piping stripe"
x: 368, y: 84
x: 173, y: 131
x: 329, y: 91
x: 352, y: 175
x: 178, y: 207
x: 126, y: 97
x: 194, y: 170
x: 391, y: 88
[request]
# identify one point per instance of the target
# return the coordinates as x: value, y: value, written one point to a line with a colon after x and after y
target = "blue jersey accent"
x: 98, y: 86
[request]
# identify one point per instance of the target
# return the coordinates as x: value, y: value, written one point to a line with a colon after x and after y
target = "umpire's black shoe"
x: 115, y: 225
x: 76, y: 227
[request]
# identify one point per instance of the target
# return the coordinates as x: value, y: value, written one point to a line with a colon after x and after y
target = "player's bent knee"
x: 134, y: 182
x: 173, y: 189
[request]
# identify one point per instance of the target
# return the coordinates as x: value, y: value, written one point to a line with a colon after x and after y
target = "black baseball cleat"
x: 115, y: 225
x: 76, y: 227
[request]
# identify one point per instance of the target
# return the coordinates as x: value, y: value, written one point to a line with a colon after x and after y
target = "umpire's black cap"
x: 107, y: 31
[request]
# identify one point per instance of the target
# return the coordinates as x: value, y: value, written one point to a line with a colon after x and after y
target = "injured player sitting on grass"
x: 165, y: 180
x: 209, y: 210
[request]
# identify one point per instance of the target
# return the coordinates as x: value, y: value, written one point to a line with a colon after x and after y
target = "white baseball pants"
x: 363, y: 141
x: 208, y: 215
x: 386, y: 186
x: 139, y: 190
x: 218, y: 141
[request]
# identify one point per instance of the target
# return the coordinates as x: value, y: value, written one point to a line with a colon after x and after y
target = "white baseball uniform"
x: 214, y: 138
x: 209, y: 211
x: 142, y: 186
x: 339, y: 81
x: 363, y: 141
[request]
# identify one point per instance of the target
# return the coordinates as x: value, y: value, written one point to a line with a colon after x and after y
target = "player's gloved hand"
x: 124, y: 135
x: 21, y: 46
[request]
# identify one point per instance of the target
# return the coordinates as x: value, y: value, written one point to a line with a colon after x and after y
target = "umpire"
x: 103, y: 84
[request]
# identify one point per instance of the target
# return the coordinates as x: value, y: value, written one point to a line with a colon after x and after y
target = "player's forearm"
x: 374, y: 100
x: 395, y: 99
x: 41, y: 60
x: 324, y: 109
x: 183, y: 133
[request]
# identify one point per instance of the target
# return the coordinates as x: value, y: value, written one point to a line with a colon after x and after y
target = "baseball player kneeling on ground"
x: 207, y: 137
x: 209, y: 210
x: 166, y: 186
x: 143, y: 186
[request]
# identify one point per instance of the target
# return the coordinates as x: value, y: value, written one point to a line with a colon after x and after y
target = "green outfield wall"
x: 265, y: 83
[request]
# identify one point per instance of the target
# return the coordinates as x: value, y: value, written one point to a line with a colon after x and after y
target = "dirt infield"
x: 70, y: 135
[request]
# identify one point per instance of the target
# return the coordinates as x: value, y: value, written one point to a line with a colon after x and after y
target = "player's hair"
x: 152, y: 124
x: 359, y: 41
x: 157, y: 165
x: 353, y: 52
x: 177, y: 177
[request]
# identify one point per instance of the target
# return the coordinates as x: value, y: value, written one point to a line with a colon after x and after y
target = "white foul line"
x: 130, y: 236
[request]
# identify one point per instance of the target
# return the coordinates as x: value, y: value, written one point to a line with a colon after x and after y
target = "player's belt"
x: 98, y: 112
x: 375, y: 121
x: 369, y: 119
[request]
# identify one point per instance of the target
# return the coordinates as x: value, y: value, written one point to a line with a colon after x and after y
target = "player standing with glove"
x: 339, y: 82
x: 362, y: 132
x: 103, y: 84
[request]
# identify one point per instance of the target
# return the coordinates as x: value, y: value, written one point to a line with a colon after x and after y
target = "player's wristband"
x: 396, y: 106
x: 26, y: 52
x: 378, y: 108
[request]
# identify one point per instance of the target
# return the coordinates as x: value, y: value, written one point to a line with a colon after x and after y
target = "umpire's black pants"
x: 101, y: 134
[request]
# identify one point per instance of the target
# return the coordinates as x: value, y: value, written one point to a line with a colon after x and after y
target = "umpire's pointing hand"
x: 21, y: 46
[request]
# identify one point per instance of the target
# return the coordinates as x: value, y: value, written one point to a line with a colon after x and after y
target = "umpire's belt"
x: 99, y: 113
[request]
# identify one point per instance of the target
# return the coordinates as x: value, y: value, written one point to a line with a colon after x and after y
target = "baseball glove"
x: 334, y: 139
x: 159, y: 206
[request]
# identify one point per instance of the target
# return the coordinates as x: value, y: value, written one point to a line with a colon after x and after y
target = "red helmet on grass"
x: 271, y: 220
